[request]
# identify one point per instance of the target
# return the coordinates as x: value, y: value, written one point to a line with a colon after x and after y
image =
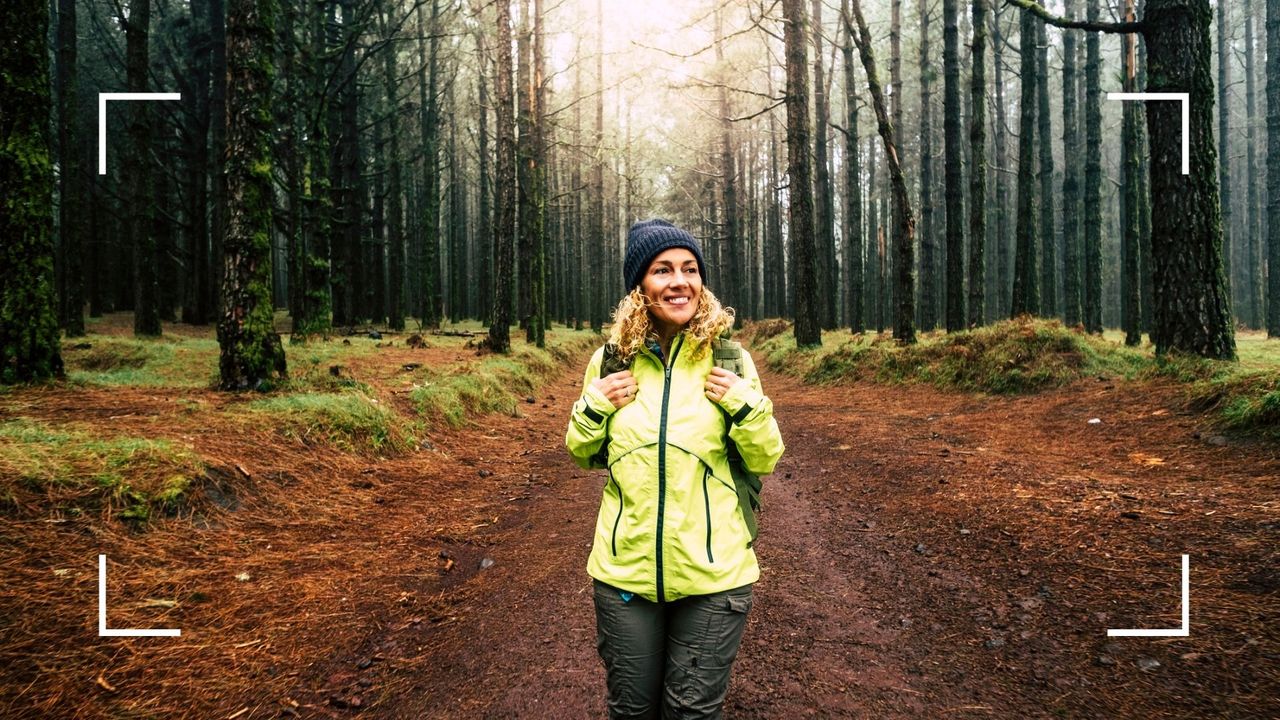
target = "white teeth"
x: 678, y: 301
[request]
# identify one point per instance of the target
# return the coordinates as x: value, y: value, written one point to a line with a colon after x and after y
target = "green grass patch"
x: 75, y: 470
x: 170, y: 360
x: 1011, y: 357
x: 497, y: 383
x: 1243, y: 397
x: 352, y: 421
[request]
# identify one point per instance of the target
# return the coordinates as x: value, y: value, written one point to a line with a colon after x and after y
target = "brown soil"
x: 924, y: 555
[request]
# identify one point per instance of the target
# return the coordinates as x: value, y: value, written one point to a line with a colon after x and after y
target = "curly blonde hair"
x: 633, y: 324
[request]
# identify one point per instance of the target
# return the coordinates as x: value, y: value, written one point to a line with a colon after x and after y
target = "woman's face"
x: 673, y: 286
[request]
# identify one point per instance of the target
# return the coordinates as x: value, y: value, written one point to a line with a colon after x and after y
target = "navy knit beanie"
x: 646, y: 239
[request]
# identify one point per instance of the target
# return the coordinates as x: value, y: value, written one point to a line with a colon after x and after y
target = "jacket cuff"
x: 741, y: 399
x: 595, y: 405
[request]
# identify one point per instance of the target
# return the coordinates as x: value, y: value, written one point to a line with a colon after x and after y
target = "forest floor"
x: 924, y: 555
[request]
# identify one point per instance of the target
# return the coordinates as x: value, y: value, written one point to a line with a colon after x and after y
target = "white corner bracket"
x: 1183, y: 631
x: 1185, y: 99
x: 102, y: 118
x: 103, y: 630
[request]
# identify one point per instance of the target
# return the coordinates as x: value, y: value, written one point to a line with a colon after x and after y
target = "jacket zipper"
x: 619, y: 518
x: 706, y: 497
x: 662, y: 458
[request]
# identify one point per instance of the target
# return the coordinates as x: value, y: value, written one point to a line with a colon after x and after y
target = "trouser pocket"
x: 704, y: 634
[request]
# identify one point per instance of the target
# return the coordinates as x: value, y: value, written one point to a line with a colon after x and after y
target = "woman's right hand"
x: 620, y: 388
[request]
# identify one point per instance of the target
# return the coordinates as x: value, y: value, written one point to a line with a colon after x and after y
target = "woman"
x: 672, y: 558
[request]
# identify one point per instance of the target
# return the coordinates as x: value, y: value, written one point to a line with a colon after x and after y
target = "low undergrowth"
x: 352, y: 421
x: 170, y: 360
x: 1243, y: 399
x: 74, y: 471
x: 1011, y: 357
x: 1025, y: 356
x: 496, y: 383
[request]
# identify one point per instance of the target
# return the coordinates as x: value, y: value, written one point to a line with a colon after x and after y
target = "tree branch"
x: 1039, y: 11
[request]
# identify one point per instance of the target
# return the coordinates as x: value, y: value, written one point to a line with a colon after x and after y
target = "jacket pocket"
x: 706, y: 499
x: 614, y: 538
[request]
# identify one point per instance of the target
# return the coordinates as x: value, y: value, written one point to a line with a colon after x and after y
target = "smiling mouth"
x: 679, y: 301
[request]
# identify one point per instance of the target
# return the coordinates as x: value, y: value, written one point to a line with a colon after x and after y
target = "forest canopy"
x: 886, y: 164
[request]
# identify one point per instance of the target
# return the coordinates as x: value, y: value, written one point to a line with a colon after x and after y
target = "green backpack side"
x: 727, y: 355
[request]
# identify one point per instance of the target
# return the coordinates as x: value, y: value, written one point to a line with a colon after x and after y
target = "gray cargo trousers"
x: 669, y: 660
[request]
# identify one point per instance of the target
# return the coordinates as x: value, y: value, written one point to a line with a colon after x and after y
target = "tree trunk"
x: 537, y: 187
x: 137, y: 170
x: 484, y: 229
x: 978, y: 167
x: 291, y: 116
x: 731, y: 279
x: 956, y: 314
x: 1003, y: 279
x: 874, y: 241
x: 1131, y: 285
x: 1071, y: 309
x: 808, y: 329
x: 395, y: 183
x: 29, y: 344
x: 429, y: 129
x: 1224, y: 130
x: 824, y: 230
x: 71, y: 177
x: 1093, y: 177
x: 896, y: 115
x: 1048, y: 233
x: 504, y: 195
x: 599, y: 283
x: 211, y: 301
x: 524, y: 172
x: 855, y: 316
x: 1252, y: 245
x: 1026, y: 291
x: 776, y: 277
x: 928, y: 259
x: 904, y: 318
x: 251, y: 352
x: 581, y: 296
x: 316, y: 302
x: 1273, y: 168
x: 1191, y: 309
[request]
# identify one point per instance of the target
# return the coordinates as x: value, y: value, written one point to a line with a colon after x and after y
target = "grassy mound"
x: 73, y: 471
x: 495, y: 384
x: 1028, y: 355
x: 171, y: 360
x: 1245, y: 398
x: 1011, y: 357
x: 352, y: 421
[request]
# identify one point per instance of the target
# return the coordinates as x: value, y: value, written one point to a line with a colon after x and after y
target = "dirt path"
x: 924, y: 555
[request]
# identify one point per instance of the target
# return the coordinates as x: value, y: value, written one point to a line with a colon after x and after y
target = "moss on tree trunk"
x: 251, y: 349
x: 29, y: 347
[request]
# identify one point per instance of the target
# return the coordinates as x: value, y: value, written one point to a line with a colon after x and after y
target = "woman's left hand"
x: 719, y: 382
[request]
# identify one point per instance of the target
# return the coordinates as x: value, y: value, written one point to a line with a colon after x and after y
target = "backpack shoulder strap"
x: 727, y: 355
x: 611, y: 362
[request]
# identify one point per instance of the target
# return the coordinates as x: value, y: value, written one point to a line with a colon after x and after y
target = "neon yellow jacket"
x: 669, y: 524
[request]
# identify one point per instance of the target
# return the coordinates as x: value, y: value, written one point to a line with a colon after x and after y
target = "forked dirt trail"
x: 924, y: 555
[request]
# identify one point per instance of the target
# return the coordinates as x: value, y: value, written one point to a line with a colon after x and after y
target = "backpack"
x: 726, y: 354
